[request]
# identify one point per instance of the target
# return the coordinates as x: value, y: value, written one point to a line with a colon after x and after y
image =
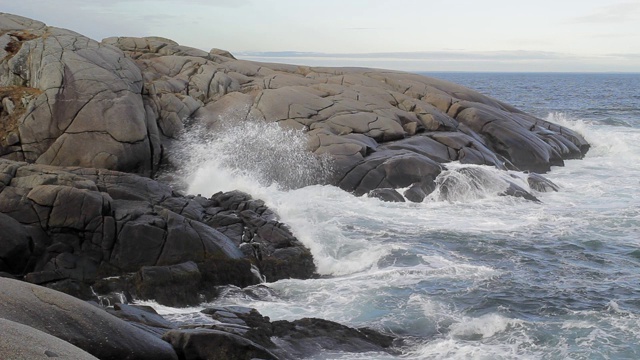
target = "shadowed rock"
x: 68, y: 227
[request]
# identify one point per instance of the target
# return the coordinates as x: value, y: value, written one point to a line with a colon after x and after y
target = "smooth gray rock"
x: 21, y: 342
x: 86, y: 108
x: 79, y: 323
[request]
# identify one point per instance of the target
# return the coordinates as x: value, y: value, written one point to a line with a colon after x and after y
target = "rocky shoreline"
x: 86, y: 126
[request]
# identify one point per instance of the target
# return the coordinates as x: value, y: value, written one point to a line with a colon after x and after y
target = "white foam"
x: 484, y: 327
x: 250, y: 153
x: 455, y: 349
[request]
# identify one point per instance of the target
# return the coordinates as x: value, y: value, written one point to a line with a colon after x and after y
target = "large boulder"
x: 79, y: 323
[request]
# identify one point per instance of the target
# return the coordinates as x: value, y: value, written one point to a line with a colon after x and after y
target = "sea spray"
x: 243, y: 154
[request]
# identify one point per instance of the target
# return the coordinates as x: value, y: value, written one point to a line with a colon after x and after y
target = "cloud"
x: 424, y: 55
x: 630, y: 56
x: 500, y: 61
x: 212, y: 3
x: 615, y: 13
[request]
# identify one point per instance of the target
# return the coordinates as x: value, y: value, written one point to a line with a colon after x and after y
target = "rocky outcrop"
x: 40, y: 323
x: 131, y: 98
x: 68, y: 227
x: 73, y: 101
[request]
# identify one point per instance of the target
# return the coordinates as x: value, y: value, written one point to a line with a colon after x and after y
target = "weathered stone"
x: 161, y: 88
x: 86, y: 94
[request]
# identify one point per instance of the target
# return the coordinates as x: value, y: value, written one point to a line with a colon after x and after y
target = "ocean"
x: 481, y: 276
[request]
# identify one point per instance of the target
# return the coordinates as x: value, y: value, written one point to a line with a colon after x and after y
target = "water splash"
x: 247, y: 154
x: 464, y: 183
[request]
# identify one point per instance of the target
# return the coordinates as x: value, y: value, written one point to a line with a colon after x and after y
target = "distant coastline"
x: 455, y: 61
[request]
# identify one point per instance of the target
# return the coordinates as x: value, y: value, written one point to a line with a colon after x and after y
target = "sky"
x: 411, y: 35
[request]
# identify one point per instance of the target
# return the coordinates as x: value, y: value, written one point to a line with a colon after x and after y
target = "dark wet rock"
x: 77, y: 322
x: 418, y: 192
x: 201, y: 344
x: 14, y: 244
x: 390, y: 169
x: 175, y: 285
x: 300, y: 338
x: 309, y: 336
x: 389, y: 195
x: 141, y: 314
x: 539, y: 183
x: 517, y: 191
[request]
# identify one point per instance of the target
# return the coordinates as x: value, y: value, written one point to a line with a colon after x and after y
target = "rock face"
x: 77, y: 102
x: 131, y: 98
x: 67, y: 227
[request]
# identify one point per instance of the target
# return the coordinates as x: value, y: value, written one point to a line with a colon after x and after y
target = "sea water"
x: 480, y: 276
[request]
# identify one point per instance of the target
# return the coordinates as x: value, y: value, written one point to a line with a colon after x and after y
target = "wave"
x: 249, y: 154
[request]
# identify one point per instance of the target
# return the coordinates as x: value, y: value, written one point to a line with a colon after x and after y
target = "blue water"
x: 485, y: 276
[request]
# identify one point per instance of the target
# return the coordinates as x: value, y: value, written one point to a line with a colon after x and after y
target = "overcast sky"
x: 414, y: 35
